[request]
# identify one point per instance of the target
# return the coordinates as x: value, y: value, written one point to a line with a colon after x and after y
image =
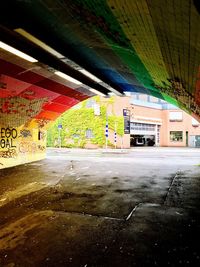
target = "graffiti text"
x: 6, y: 137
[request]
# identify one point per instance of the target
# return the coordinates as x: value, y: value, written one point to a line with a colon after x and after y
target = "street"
x: 90, y: 208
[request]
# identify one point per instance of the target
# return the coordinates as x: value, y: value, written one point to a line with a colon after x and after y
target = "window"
x: 142, y: 126
x: 89, y: 134
x: 195, y: 123
x: 175, y: 116
x: 135, y: 96
x: 176, y: 136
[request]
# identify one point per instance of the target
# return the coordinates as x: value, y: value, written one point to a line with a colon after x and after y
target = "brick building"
x: 165, y: 124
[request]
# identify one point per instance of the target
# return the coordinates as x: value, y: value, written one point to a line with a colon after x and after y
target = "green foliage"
x: 76, y: 121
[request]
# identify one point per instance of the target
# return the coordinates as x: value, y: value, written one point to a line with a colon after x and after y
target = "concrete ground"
x: 102, y: 208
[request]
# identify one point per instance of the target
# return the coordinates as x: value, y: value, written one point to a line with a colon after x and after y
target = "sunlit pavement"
x: 137, y: 207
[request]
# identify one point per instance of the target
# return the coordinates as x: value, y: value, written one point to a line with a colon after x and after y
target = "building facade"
x: 155, y: 122
x: 99, y: 122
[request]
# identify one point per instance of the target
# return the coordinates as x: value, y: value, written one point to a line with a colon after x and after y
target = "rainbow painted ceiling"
x: 146, y: 46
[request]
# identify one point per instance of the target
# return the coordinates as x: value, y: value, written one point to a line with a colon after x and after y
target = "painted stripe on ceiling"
x: 136, y: 22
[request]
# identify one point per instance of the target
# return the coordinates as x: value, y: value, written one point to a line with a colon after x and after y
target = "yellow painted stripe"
x: 136, y: 22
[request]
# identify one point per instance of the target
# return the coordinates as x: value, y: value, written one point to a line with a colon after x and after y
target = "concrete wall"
x: 19, y: 145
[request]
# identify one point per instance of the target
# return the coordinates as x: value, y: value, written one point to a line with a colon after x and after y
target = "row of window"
x: 142, y: 126
x: 175, y: 136
x: 147, y: 98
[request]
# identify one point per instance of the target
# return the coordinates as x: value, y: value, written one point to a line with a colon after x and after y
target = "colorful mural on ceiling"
x: 156, y: 45
x: 145, y: 46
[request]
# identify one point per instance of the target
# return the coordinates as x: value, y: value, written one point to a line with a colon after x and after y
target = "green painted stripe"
x: 170, y: 100
x: 115, y: 38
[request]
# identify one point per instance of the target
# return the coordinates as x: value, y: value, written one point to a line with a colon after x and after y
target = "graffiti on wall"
x: 25, y: 133
x: 9, y: 153
x: 7, y: 137
x: 41, y: 148
x: 42, y: 122
x: 17, y: 110
x: 30, y: 147
x: 178, y: 91
x: 10, y: 147
x: 27, y: 147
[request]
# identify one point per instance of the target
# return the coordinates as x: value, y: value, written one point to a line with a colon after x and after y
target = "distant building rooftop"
x: 150, y: 101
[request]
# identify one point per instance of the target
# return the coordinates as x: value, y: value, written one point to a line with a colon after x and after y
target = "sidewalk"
x: 126, y: 150
x: 84, y: 150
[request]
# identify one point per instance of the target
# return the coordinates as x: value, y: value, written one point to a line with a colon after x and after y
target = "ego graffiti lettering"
x: 7, y: 136
x: 10, y: 153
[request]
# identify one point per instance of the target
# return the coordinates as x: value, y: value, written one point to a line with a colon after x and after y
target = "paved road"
x: 102, y: 208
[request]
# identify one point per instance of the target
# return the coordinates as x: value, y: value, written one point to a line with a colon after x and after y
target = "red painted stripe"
x: 24, y: 75
x: 48, y: 115
x: 65, y: 100
x: 56, y: 107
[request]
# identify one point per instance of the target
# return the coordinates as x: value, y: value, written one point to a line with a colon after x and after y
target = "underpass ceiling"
x: 146, y: 46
